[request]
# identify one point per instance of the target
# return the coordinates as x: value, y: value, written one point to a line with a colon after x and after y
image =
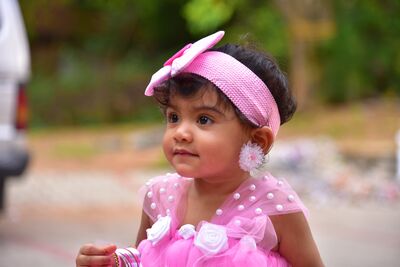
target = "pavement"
x: 50, y: 214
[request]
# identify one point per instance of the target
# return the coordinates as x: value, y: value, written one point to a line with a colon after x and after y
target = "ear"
x: 264, y: 137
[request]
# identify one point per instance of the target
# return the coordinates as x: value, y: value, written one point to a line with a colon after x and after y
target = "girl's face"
x: 203, y: 139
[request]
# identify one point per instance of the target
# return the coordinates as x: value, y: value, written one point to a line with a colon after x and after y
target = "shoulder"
x: 161, y: 193
x: 276, y: 196
x: 262, y: 196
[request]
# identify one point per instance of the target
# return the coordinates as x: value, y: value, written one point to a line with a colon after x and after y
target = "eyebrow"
x: 209, y: 108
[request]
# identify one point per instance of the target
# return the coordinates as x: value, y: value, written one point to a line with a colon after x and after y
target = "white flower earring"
x: 253, y: 160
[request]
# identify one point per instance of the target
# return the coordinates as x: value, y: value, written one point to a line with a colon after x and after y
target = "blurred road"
x: 50, y: 214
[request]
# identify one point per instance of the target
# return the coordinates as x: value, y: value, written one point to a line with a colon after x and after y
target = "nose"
x: 183, y: 133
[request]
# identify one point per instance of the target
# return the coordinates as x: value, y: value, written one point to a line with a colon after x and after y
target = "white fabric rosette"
x: 211, y: 239
x: 187, y: 231
x: 159, y: 229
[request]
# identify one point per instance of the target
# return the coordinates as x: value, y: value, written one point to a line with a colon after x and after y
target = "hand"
x: 92, y: 255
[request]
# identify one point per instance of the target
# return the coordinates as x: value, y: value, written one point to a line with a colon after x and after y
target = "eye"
x: 172, y: 117
x: 204, y: 120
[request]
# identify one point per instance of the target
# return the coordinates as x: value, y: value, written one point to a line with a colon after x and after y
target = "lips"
x: 183, y: 152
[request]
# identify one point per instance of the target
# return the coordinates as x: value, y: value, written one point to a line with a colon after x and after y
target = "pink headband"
x: 242, y: 86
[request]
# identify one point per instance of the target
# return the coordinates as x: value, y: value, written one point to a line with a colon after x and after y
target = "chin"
x: 185, y: 171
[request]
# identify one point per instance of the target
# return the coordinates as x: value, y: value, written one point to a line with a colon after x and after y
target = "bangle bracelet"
x: 128, y: 257
x: 123, y: 258
x: 135, y: 255
x: 116, y: 258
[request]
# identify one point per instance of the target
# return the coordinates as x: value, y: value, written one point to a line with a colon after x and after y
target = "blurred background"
x: 93, y: 138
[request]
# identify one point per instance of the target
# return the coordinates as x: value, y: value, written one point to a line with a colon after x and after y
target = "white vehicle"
x: 14, y: 74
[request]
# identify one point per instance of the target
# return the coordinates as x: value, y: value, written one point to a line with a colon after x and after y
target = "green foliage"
x: 249, y: 22
x: 362, y: 60
x: 93, y: 58
x: 259, y: 23
x: 84, y: 91
x: 204, y: 16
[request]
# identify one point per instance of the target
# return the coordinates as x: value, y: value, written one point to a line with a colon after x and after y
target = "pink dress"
x: 240, y: 233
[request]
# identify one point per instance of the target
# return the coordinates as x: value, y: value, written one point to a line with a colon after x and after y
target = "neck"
x: 212, y: 187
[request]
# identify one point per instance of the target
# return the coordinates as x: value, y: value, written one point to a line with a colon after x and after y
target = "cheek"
x: 227, y: 149
x: 166, y: 145
x: 236, y: 146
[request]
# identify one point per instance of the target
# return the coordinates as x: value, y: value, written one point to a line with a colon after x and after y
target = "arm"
x: 92, y: 255
x: 145, y: 223
x: 295, y: 239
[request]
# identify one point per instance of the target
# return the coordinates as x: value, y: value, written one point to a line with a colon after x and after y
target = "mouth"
x: 183, y: 152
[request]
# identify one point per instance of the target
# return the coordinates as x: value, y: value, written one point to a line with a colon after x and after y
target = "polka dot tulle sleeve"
x: 161, y: 195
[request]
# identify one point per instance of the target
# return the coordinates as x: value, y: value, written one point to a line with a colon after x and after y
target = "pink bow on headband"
x: 182, y: 59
